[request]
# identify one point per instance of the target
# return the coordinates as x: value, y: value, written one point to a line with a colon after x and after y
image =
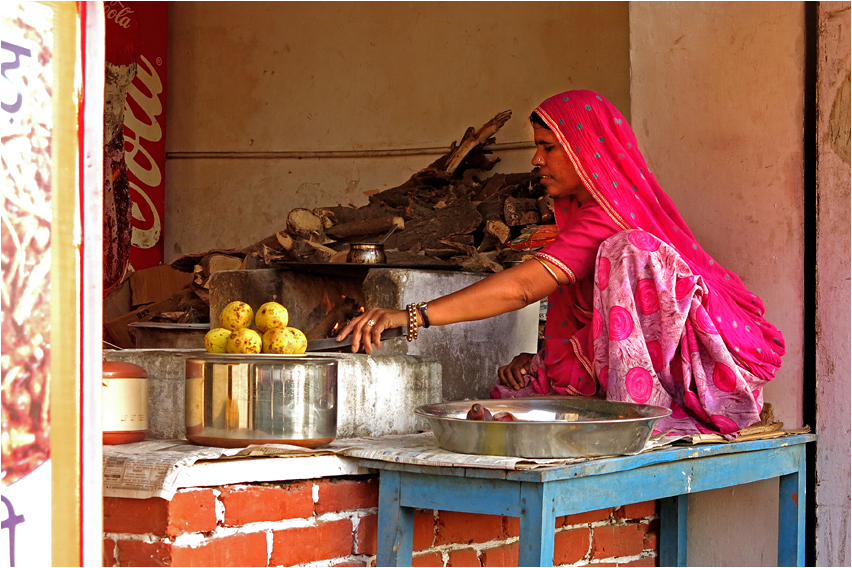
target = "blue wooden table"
x: 538, y: 496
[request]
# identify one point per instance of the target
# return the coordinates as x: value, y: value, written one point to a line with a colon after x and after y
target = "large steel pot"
x: 237, y: 400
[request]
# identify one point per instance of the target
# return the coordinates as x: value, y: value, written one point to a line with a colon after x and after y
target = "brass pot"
x: 367, y: 253
x: 237, y: 400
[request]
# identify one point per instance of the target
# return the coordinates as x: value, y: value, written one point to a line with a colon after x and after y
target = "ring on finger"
x: 371, y: 323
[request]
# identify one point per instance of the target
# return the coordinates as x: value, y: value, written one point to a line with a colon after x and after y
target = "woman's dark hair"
x: 536, y: 119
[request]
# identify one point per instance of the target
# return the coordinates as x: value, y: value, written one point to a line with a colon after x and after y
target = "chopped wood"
x: 376, y: 225
x: 304, y: 224
x: 482, y: 259
x: 496, y: 233
x: 490, y: 187
x: 460, y: 218
x: 521, y: 211
x: 545, y: 209
x: 336, y: 315
x: 492, y: 207
x: 475, y: 138
x: 212, y: 263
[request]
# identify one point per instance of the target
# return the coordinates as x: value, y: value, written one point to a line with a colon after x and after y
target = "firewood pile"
x: 453, y: 212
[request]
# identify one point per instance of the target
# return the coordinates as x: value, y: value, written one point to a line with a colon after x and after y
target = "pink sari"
x: 667, y: 325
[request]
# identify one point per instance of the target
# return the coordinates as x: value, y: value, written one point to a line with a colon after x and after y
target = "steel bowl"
x: 546, y: 427
x: 366, y: 253
x: 237, y: 400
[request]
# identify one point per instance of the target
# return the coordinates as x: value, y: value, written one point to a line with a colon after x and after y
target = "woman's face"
x: 557, y: 172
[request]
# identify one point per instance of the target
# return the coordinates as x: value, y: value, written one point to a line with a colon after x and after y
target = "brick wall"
x: 332, y: 522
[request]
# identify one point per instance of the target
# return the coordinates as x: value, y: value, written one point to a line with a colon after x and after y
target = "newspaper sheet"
x: 152, y: 468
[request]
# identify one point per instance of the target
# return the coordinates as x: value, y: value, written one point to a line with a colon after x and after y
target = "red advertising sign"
x: 137, y: 32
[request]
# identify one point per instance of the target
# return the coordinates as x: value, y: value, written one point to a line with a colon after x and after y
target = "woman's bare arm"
x: 499, y: 293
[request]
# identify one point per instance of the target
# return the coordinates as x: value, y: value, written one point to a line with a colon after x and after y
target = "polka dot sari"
x: 670, y: 326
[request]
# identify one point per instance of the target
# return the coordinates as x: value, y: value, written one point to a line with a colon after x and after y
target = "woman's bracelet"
x: 422, y: 307
x: 412, y: 322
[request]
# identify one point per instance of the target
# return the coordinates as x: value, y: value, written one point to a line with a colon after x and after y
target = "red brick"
x: 585, y: 518
x: 651, y: 539
x: 136, y: 516
x: 109, y: 552
x: 464, y: 557
x: 347, y: 495
x: 248, y: 549
x: 637, y: 510
x: 570, y: 546
x: 267, y: 503
x: 138, y: 553
x: 432, y: 559
x: 365, y: 536
x: 311, y: 544
x: 649, y: 561
x: 511, y: 526
x: 617, y: 540
x: 465, y: 528
x: 350, y: 563
x: 424, y: 529
x: 192, y: 511
x: 505, y: 555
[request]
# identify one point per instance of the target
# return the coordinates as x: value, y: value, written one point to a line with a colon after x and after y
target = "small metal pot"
x: 367, y: 253
x: 236, y: 400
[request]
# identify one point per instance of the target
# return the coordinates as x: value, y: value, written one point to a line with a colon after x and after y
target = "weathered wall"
x: 309, y: 77
x: 717, y: 105
x: 832, y: 294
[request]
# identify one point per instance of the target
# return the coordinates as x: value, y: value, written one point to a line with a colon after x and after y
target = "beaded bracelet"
x: 412, y: 322
x: 422, y: 307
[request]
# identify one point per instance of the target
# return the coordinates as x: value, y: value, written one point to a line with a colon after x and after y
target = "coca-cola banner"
x: 134, y: 137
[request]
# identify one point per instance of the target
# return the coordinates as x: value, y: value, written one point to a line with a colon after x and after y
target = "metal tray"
x: 546, y: 427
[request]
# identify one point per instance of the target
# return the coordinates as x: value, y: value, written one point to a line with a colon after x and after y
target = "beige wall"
x: 833, y: 305
x: 717, y: 102
x: 304, y: 77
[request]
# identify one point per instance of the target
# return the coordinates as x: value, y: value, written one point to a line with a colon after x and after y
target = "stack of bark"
x: 454, y: 211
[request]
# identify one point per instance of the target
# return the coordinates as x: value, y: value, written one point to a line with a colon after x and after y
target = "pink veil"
x: 603, y: 149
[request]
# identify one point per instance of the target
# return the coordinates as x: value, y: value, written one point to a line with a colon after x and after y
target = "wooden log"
x: 491, y: 209
x: 340, y: 214
x: 459, y: 218
x: 304, y: 224
x: 213, y: 263
x: 545, y: 209
x: 496, y: 233
x: 521, y: 211
x: 483, y: 259
x: 336, y: 314
x: 491, y: 186
x: 363, y: 227
x: 472, y: 139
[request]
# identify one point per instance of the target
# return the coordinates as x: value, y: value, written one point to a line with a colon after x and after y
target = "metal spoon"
x: 381, y: 242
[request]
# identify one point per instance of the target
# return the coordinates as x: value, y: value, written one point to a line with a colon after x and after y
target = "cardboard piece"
x: 118, y: 302
x: 118, y: 329
x: 156, y: 284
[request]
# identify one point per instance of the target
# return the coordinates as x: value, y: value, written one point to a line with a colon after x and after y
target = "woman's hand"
x: 367, y: 328
x: 512, y: 375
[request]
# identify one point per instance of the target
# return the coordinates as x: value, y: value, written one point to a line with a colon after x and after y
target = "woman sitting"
x: 637, y: 310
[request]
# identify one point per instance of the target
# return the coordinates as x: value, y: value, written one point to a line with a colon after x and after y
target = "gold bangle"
x: 544, y: 264
x: 412, y: 322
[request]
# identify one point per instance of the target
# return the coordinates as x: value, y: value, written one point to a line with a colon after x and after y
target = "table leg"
x: 673, y: 530
x: 538, y: 525
x: 396, y: 524
x: 791, y: 515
